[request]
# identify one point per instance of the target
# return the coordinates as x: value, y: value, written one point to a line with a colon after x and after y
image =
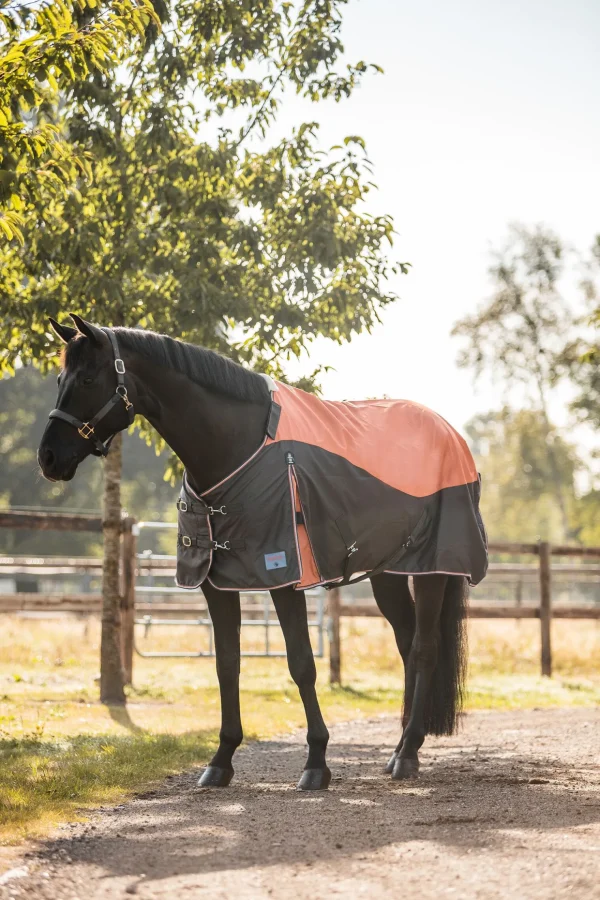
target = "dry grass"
x: 496, y: 647
x: 61, y: 751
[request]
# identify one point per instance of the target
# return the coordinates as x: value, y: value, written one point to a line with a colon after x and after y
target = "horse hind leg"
x: 395, y: 602
x: 438, y: 659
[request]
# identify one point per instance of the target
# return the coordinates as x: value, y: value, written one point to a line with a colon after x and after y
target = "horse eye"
x: 88, y: 380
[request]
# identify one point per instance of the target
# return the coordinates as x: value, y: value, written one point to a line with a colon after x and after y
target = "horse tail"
x: 446, y: 694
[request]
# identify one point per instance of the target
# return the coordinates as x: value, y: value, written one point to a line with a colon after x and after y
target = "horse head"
x: 93, y: 402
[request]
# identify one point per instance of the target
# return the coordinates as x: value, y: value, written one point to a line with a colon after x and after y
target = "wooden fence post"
x: 128, y: 569
x: 545, y: 607
x: 335, y: 650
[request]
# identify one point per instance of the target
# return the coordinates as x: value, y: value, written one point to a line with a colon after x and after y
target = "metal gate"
x: 257, y: 607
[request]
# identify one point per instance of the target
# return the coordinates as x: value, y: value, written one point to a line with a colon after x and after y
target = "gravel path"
x: 510, y: 807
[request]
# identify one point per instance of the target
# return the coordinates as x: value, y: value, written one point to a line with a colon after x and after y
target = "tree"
x: 519, y: 501
x: 519, y: 333
x: 588, y: 518
x: 581, y: 357
x: 44, y: 51
x: 199, y: 231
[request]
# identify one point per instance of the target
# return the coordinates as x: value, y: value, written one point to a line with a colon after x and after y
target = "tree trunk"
x: 111, y: 670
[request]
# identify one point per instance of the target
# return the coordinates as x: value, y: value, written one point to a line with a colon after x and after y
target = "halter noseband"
x: 86, y: 429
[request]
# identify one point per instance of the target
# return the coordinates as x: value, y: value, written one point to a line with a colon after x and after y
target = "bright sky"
x: 487, y: 113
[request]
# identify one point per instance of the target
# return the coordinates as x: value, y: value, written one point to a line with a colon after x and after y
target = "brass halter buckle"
x: 122, y: 392
x: 86, y: 430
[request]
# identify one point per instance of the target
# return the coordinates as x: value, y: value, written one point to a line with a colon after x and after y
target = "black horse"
x: 212, y: 413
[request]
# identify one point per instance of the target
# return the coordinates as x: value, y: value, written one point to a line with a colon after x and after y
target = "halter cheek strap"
x: 86, y: 429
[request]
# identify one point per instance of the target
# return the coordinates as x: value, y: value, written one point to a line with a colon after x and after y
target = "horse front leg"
x: 224, y: 609
x: 291, y: 611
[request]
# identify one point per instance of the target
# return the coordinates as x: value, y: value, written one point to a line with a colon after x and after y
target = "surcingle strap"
x: 273, y: 420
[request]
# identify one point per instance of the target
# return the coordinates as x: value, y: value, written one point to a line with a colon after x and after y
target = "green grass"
x: 68, y: 755
x: 62, y: 752
x: 530, y: 692
x: 43, y: 782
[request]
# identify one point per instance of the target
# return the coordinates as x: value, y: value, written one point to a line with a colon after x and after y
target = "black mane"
x: 204, y: 367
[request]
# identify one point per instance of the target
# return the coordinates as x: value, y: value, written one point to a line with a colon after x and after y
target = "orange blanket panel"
x: 404, y: 444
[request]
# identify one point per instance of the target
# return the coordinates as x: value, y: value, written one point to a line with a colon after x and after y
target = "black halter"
x: 86, y: 429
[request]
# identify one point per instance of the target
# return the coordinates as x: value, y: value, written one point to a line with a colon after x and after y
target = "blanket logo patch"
x: 276, y: 560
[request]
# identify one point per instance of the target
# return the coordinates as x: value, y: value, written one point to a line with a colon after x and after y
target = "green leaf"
x: 5, y: 227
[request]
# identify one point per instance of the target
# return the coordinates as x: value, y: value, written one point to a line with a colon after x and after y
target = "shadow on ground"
x: 492, y: 786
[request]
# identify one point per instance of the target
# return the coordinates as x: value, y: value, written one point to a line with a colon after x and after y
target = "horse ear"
x: 95, y: 334
x: 64, y: 332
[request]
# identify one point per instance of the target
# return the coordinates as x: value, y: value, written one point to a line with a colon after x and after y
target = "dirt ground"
x: 510, y: 807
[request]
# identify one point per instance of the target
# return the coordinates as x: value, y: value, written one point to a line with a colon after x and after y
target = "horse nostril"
x: 46, y: 457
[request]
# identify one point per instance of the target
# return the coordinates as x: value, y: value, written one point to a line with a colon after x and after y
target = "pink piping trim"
x: 227, y: 477
x: 307, y: 587
x: 435, y: 572
x: 216, y: 586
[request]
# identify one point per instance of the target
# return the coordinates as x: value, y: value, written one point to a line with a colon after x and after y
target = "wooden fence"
x: 58, y: 521
x: 338, y: 606
x: 545, y: 611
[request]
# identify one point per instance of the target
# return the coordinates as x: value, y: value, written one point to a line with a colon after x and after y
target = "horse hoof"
x: 314, y: 780
x: 391, y: 763
x: 215, y: 776
x: 404, y: 767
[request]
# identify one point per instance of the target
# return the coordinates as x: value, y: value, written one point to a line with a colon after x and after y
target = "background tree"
x: 581, y: 356
x: 201, y: 231
x: 588, y: 518
x: 519, y: 502
x: 519, y: 334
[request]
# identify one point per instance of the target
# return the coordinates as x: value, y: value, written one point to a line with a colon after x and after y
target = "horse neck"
x: 211, y: 433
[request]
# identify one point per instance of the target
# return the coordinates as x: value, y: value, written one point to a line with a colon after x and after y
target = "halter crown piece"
x: 86, y: 429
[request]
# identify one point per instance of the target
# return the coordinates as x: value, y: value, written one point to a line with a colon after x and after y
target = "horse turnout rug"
x: 337, y: 491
